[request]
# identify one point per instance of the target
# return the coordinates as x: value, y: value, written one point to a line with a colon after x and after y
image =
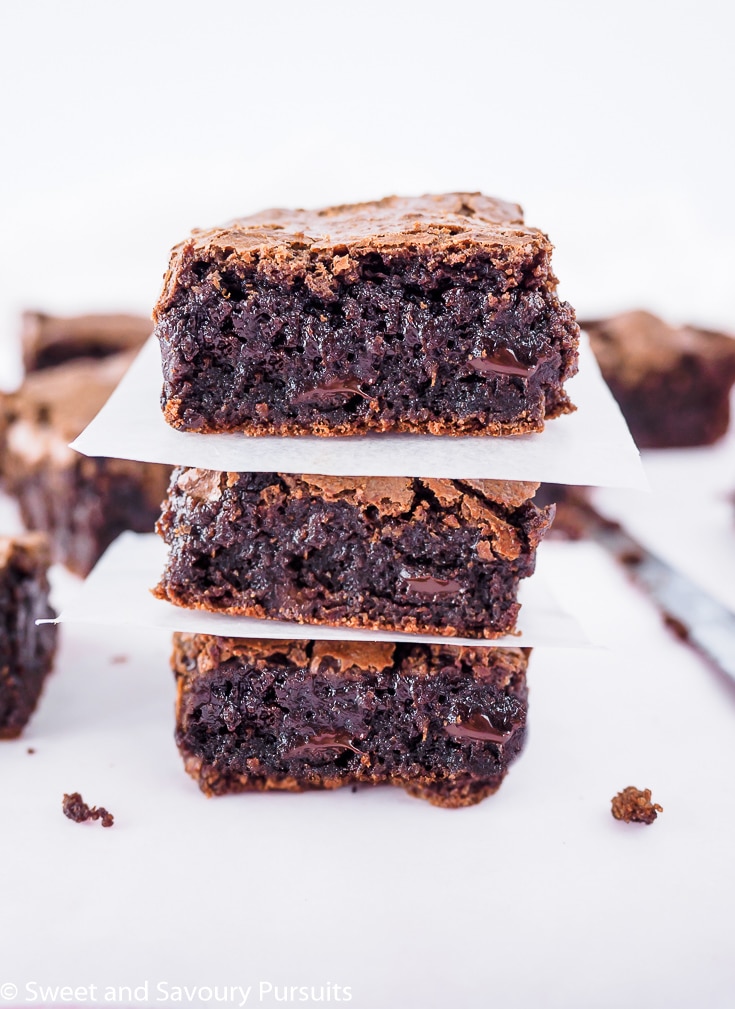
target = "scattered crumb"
x: 30, y: 750
x: 117, y: 660
x: 77, y: 810
x: 635, y: 806
x: 354, y: 788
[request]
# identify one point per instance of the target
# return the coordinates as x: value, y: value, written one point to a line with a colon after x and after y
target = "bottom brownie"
x: 443, y: 722
x: 26, y: 650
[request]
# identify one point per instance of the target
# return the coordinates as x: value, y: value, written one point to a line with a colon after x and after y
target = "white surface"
x: 591, y: 446
x: 126, y: 126
x: 534, y: 898
x: 118, y: 592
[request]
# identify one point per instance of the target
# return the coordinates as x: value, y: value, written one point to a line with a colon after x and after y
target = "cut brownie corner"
x: 442, y: 722
x: 26, y: 649
x: 436, y: 314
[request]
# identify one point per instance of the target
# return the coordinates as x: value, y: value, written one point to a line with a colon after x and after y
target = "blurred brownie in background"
x: 48, y: 340
x: 84, y: 504
x: 26, y: 650
x: 672, y: 384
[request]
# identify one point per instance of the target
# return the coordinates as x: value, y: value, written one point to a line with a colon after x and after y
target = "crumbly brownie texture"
x: 634, y: 806
x: 440, y: 721
x: 84, y: 504
x: 436, y: 556
x: 436, y: 314
x: 48, y: 340
x: 26, y: 651
x: 76, y: 809
x: 672, y: 384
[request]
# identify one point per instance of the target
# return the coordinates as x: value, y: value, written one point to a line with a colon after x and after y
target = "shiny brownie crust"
x: 26, y: 650
x: 433, y: 556
x: 434, y: 314
x: 441, y: 722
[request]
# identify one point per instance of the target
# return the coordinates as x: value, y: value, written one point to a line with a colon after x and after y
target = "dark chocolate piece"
x: 436, y: 314
x: 49, y: 340
x: 76, y: 809
x: 26, y: 650
x: 672, y: 384
x: 440, y: 721
x: 433, y: 556
x: 83, y: 503
x: 634, y: 806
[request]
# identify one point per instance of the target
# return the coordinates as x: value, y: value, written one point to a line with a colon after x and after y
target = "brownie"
x: 48, y: 340
x: 416, y: 555
x: 83, y: 503
x: 441, y: 721
x: 433, y: 314
x: 26, y: 650
x: 672, y: 384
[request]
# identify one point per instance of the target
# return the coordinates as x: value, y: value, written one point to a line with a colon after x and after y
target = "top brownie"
x: 434, y: 315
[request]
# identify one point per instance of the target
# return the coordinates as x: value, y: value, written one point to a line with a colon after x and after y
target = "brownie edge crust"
x: 435, y: 314
x: 442, y: 722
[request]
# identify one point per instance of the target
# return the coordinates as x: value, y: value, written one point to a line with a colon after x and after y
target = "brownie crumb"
x: 77, y: 810
x: 30, y: 750
x: 118, y: 660
x: 635, y: 806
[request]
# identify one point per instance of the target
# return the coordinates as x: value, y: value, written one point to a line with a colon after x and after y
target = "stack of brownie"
x: 436, y: 315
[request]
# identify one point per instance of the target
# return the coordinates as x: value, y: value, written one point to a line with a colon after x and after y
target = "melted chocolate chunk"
x: 479, y: 727
x: 323, y: 741
x: 503, y: 361
x: 428, y: 586
x: 321, y: 394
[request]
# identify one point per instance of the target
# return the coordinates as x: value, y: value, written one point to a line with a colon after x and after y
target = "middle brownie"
x: 416, y: 555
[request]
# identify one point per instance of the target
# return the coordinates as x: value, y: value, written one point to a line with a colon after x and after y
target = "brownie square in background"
x: 83, y: 503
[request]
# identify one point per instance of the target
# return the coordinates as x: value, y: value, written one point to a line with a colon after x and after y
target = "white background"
x: 125, y: 125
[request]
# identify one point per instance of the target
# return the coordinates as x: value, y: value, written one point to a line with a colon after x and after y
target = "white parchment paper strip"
x: 118, y: 592
x: 592, y: 446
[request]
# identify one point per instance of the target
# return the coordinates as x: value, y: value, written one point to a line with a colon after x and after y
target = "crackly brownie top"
x: 390, y: 495
x: 349, y: 658
x: 289, y: 242
x: 26, y: 552
x: 634, y: 344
